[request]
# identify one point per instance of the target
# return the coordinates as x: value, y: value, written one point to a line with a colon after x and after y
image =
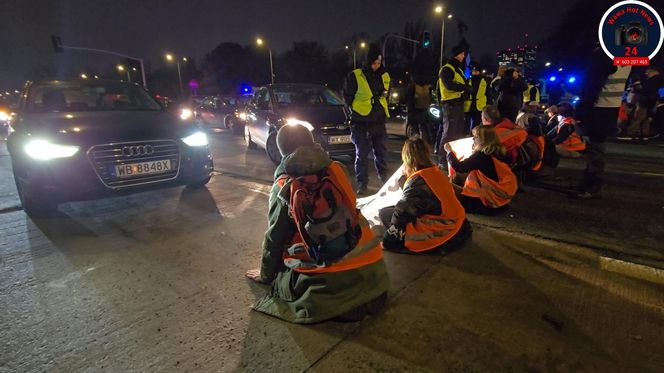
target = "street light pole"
x: 442, y: 38
x: 179, y: 77
x: 271, y: 66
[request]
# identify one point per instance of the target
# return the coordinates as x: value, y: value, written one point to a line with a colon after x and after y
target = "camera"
x: 632, y: 33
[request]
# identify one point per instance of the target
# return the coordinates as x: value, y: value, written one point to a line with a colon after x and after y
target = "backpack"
x: 326, y: 219
x: 422, y: 96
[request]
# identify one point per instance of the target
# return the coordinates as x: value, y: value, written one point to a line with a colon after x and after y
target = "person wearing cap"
x: 365, y: 91
x: 346, y: 289
x: 454, y: 89
x: 477, y: 100
x: 552, y: 118
x: 510, y: 91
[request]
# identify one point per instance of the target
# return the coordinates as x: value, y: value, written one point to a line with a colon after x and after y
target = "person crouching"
x: 336, y: 273
x: 490, y: 185
x: 429, y: 216
x: 568, y: 143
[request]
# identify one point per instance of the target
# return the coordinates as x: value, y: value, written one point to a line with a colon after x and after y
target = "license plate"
x: 143, y: 168
x: 345, y: 139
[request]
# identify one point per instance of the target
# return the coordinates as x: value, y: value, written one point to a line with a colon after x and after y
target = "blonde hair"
x: 415, y: 155
x: 487, y: 141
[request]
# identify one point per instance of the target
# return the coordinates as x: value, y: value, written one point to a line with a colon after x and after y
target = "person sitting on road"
x: 568, y: 143
x: 509, y: 134
x: 324, y: 268
x: 490, y: 185
x: 552, y: 118
x: 429, y: 216
x: 532, y: 156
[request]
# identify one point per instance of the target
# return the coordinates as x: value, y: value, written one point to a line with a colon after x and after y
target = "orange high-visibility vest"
x: 431, y: 231
x: 510, y: 134
x: 493, y: 194
x: 539, y: 140
x: 367, y: 250
x: 573, y: 142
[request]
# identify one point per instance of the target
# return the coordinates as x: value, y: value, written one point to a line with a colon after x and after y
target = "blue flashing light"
x: 552, y: 79
x: 246, y: 89
x: 571, y: 79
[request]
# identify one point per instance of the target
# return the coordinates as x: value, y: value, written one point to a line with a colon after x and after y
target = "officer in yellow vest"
x: 365, y: 91
x: 454, y: 89
x: 532, y: 93
x: 477, y: 100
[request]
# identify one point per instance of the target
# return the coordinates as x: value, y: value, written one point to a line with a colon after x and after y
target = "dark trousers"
x: 601, y: 123
x: 367, y: 136
x: 453, y: 122
x: 418, y: 121
x: 473, y: 119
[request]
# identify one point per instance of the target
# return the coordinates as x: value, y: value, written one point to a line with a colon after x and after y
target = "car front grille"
x: 105, y: 157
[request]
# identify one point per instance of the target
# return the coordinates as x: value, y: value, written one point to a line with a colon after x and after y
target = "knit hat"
x: 457, y: 50
x: 290, y: 137
x: 373, y: 54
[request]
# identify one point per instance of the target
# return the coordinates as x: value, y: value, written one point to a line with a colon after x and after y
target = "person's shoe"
x: 586, y: 195
x: 362, y: 189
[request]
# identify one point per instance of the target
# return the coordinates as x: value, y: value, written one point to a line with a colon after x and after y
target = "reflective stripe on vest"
x: 431, y: 231
x: 480, y: 98
x: 459, y: 78
x: 573, y: 142
x: 526, y: 94
x: 364, y: 99
x: 511, y: 137
x: 492, y: 194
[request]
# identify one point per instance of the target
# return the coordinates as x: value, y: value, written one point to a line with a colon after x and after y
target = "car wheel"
x: 199, y: 184
x: 41, y: 207
x: 272, y: 150
x: 247, y: 139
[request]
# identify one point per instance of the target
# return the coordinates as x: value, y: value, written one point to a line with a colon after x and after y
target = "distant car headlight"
x: 186, y: 114
x: 242, y: 116
x: 435, y: 112
x: 45, y: 150
x: 4, y: 116
x: 295, y: 122
x: 197, y: 139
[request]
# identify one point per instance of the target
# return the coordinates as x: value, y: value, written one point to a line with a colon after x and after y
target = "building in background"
x: 523, y: 57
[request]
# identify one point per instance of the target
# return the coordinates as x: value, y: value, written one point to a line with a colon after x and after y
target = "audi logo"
x: 137, y: 150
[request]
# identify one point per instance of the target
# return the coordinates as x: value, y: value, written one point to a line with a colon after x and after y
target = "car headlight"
x: 295, y: 122
x: 197, y: 139
x: 44, y: 150
x: 435, y: 112
x: 4, y: 116
x: 242, y: 116
x: 186, y: 114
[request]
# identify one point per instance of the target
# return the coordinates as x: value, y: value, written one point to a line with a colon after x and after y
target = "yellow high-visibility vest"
x: 526, y: 94
x: 445, y: 93
x: 363, y: 100
x: 480, y: 101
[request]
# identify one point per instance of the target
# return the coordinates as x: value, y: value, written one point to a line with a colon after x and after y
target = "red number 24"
x: 631, y: 51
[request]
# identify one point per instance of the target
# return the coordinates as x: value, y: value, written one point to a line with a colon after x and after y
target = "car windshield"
x: 305, y: 96
x: 89, y: 97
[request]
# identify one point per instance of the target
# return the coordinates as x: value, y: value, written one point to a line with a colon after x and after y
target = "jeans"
x: 420, y: 124
x: 367, y: 136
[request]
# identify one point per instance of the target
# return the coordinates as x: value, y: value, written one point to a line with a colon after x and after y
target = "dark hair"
x: 415, y: 155
x: 492, y: 114
x: 565, y: 109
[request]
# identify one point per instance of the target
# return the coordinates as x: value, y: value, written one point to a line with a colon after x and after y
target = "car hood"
x: 317, y: 116
x: 106, y: 127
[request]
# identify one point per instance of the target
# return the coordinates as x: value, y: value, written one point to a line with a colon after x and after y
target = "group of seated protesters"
x: 342, y: 276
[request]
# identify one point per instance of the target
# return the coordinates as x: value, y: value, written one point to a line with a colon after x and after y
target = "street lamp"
x: 439, y: 10
x: 121, y: 69
x: 84, y: 76
x: 547, y: 64
x: 171, y: 58
x: 362, y: 45
x: 260, y: 42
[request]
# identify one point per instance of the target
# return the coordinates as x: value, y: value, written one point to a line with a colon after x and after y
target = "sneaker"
x: 362, y: 190
x: 586, y: 195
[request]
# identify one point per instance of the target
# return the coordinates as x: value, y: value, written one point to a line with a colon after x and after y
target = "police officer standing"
x: 477, y: 101
x: 365, y: 90
x: 453, y: 88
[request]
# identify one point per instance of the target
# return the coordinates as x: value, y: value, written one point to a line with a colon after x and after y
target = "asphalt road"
x: 155, y: 282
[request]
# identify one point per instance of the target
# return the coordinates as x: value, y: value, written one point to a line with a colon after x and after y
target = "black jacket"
x: 478, y: 161
x: 596, y: 72
x: 649, y: 92
x: 375, y: 80
x: 510, y: 91
x: 447, y: 76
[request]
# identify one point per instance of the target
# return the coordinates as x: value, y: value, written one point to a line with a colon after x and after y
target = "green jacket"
x: 308, y: 298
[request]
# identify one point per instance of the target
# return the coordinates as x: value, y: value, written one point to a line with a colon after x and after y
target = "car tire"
x: 247, y: 139
x: 199, y: 184
x: 272, y: 149
x: 35, y: 207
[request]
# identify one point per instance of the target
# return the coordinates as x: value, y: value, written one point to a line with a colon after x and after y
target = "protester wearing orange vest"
x: 510, y: 135
x: 490, y: 184
x: 429, y: 216
x: 568, y: 143
x: 306, y: 288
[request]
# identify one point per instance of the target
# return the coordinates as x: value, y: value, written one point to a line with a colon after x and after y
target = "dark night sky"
x: 149, y: 28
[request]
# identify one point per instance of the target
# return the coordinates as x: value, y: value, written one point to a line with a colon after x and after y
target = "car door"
x: 260, y: 111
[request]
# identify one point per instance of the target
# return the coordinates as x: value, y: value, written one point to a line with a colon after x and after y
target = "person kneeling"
x: 490, y: 184
x: 568, y: 143
x: 319, y: 253
x: 428, y: 216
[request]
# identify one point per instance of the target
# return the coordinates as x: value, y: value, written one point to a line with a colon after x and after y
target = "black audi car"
x: 313, y: 106
x: 78, y: 140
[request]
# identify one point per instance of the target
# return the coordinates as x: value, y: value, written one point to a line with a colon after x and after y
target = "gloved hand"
x: 393, y: 239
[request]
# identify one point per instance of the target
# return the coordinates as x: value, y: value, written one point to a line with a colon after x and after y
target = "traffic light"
x: 426, y: 39
x: 57, y: 43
